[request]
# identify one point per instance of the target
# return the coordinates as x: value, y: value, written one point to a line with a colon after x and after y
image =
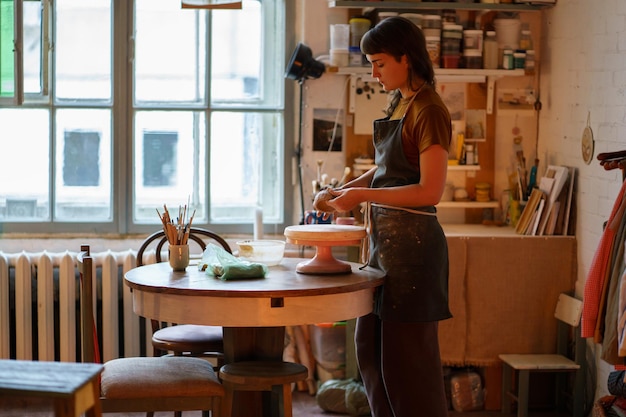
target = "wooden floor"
x: 304, y: 405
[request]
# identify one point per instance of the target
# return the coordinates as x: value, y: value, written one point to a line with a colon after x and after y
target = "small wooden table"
x: 73, y: 387
x: 253, y: 312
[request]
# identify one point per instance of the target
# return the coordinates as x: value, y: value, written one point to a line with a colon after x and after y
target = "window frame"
x: 122, y: 150
x: 18, y: 57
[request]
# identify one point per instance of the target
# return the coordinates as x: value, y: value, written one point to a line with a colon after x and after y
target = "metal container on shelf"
x: 472, y: 59
x: 416, y: 18
x: 473, y: 40
x: 431, y: 25
x: 433, y: 45
x: 451, y: 39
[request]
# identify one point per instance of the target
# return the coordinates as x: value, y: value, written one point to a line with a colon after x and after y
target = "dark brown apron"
x: 408, y: 244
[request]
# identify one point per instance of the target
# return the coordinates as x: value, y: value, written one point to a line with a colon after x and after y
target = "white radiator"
x: 39, y: 314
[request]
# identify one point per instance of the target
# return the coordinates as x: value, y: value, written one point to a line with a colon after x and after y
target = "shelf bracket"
x: 491, y: 86
x: 352, y: 96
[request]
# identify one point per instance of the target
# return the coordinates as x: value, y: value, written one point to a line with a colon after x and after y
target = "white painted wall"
x: 583, y: 72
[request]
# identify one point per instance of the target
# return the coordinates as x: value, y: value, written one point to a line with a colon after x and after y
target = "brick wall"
x: 583, y: 74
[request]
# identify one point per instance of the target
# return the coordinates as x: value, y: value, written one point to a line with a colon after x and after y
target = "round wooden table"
x: 253, y: 312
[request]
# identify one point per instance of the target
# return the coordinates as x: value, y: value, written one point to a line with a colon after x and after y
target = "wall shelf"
x: 468, y: 204
x: 388, y: 5
x: 475, y: 74
x: 463, y: 167
x: 444, y: 75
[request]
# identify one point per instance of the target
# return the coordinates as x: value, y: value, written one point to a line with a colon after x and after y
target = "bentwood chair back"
x: 185, y: 339
x: 145, y: 384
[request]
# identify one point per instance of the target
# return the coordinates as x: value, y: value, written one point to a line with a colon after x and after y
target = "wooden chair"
x: 170, y: 383
x: 568, y: 312
x: 275, y: 377
x: 184, y: 339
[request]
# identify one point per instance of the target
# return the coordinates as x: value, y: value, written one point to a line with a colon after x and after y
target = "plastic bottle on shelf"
x: 469, y: 154
x: 525, y: 40
x: 490, y: 50
x: 519, y: 59
x: 358, y: 27
x: 507, y: 59
x: 529, y: 65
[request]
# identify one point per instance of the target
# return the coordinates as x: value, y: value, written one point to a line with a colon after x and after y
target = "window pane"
x: 246, y: 166
x: 25, y: 165
x: 169, y: 163
x: 32, y: 47
x: 170, y: 59
x: 83, y: 166
x: 236, y: 64
x: 7, y: 73
x: 83, y: 49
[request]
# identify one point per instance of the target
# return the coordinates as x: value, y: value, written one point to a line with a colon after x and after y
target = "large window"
x: 141, y: 104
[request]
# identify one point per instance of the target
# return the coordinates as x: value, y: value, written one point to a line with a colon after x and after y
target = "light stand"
x: 302, y: 66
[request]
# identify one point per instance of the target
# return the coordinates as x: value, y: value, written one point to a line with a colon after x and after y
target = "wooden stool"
x: 73, y: 386
x: 272, y: 376
x: 568, y: 312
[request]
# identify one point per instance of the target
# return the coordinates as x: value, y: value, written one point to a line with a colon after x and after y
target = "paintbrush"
x: 346, y: 172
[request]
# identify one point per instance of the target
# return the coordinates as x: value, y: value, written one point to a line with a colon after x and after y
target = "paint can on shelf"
x: 433, y: 45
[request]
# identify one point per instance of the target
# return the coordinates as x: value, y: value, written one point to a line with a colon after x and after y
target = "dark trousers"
x: 401, y: 367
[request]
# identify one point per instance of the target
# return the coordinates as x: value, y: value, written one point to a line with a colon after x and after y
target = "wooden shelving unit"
x: 480, y: 84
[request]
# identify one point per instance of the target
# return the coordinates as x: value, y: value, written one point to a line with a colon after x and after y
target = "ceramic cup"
x: 179, y: 257
x: 345, y: 221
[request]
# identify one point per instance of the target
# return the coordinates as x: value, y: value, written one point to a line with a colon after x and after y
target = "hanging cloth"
x: 597, y: 279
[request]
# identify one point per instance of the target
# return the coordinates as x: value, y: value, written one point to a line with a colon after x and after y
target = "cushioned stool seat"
x: 189, y: 338
x: 273, y: 376
x: 179, y: 376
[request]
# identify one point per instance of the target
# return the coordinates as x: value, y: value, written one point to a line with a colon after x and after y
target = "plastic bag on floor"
x: 345, y: 396
x: 467, y: 392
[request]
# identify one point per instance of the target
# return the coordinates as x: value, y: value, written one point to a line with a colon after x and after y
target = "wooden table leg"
x: 253, y: 343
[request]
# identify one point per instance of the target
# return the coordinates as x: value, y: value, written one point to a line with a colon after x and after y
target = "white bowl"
x: 268, y: 252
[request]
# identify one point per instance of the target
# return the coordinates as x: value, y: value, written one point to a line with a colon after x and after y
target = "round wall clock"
x: 587, y: 143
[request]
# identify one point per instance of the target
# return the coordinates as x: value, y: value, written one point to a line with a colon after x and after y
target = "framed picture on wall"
x: 516, y: 100
x: 327, y: 129
x: 453, y: 96
x: 475, y: 125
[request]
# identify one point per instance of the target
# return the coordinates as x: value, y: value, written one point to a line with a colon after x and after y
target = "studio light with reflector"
x: 302, y: 66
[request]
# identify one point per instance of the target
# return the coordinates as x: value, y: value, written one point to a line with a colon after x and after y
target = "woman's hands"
x: 320, y: 203
x: 346, y: 198
x: 330, y: 200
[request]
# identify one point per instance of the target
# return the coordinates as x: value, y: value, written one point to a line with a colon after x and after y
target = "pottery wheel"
x: 324, y: 237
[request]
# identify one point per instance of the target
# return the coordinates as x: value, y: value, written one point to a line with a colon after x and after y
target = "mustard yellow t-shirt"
x: 426, y: 123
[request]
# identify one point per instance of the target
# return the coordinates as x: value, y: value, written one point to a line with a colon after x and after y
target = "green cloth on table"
x: 216, y: 261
